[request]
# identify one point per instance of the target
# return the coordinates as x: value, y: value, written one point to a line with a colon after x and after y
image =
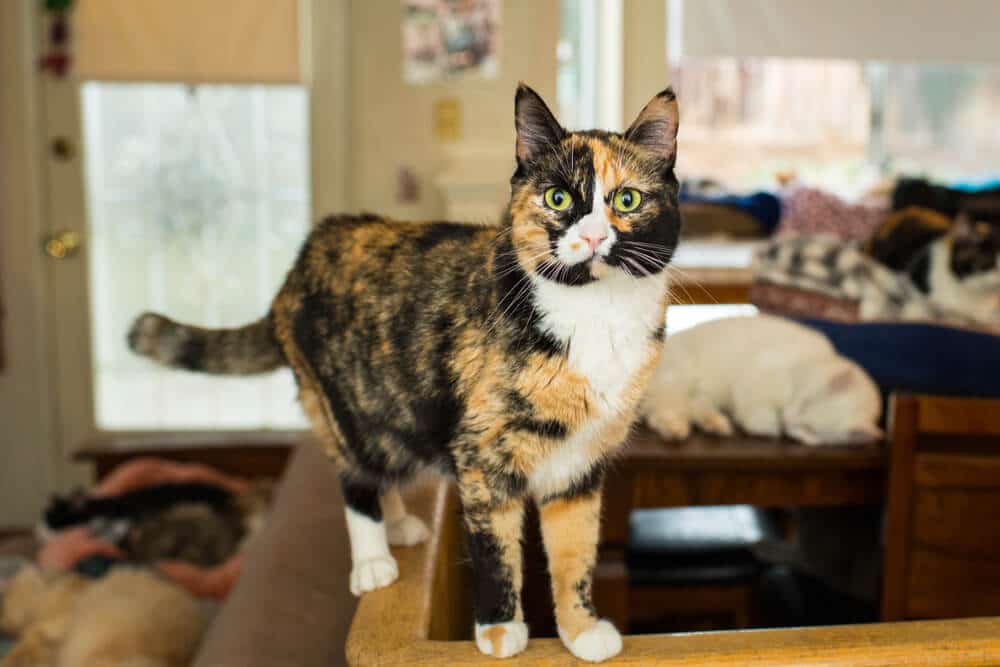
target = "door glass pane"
x: 198, y: 200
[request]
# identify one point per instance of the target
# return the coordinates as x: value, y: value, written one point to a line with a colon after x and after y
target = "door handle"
x: 63, y: 244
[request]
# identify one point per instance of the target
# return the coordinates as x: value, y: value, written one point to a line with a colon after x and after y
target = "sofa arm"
x: 292, y: 604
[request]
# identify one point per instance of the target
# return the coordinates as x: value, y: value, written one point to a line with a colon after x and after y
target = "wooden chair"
x: 942, y: 533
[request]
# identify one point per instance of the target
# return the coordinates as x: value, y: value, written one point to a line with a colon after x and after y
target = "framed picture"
x: 450, y: 39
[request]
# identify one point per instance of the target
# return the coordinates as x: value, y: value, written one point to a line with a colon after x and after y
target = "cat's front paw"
x: 716, y: 423
x: 372, y: 573
x: 502, y: 640
x: 670, y: 425
x: 407, y: 531
x: 598, y: 642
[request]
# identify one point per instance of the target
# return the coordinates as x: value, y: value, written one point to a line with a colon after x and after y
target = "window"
x: 841, y: 123
x: 199, y: 199
x: 745, y: 120
x: 589, y: 56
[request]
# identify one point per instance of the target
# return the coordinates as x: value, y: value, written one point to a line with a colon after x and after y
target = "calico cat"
x: 960, y: 271
x: 513, y: 358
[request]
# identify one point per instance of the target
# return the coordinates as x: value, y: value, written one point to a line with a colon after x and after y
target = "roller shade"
x: 962, y: 31
x: 193, y: 41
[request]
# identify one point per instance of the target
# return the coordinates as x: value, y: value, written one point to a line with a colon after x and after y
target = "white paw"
x: 502, y: 640
x: 715, y: 422
x: 670, y: 425
x: 598, y: 642
x: 407, y: 531
x: 373, y: 573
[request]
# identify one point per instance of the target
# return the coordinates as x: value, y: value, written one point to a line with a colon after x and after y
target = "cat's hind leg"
x: 762, y: 420
x: 373, y: 565
x: 402, y: 529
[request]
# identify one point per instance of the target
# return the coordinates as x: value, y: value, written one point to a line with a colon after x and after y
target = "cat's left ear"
x: 537, y: 129
x: 655, y: 129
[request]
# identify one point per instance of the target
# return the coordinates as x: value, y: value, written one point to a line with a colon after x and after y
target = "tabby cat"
x: 513, y: 358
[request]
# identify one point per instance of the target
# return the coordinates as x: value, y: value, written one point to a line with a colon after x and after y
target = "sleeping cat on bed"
x: 766, y: 374
x: 513, y: 358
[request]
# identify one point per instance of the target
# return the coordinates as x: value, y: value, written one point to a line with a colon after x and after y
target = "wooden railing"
x: 424, y: 619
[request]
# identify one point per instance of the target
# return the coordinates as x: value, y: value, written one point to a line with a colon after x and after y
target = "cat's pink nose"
x: 593, y: 239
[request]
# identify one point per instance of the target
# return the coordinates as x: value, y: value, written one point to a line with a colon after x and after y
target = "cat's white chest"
x: 607, y: 327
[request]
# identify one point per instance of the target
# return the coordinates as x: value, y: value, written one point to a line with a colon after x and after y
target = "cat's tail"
x: 242, y: 351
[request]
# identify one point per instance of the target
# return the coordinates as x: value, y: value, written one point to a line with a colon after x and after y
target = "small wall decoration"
x: 57, y: 58
x: 450, y: 39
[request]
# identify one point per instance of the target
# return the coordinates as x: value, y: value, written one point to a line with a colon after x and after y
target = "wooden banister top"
x: 705, y: 452
x: 392, y: 626
x: 137, y: 444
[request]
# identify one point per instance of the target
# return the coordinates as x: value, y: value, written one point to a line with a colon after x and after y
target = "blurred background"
x: 171, y: 156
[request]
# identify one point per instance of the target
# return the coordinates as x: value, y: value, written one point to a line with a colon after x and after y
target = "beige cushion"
x: 292, y: 605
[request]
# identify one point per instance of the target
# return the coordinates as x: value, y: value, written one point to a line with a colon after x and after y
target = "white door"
x: 190, y: 201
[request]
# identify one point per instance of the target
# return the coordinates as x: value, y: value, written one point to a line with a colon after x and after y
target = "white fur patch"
x: 572, y: 248
x: 502, y: 640
x: 975, y: 297
x: 598, y: 642
x: 373, y: 565
x: 607, y: 325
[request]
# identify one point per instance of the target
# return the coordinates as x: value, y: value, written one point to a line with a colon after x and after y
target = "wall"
x: 644, y: 60
x: 27, y: 450
x: 393, y: 121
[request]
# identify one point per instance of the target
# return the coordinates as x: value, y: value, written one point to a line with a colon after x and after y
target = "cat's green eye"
x: 627, y: 200
x: 558, y: 199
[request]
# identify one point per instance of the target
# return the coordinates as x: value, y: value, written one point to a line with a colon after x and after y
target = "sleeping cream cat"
x: 765, y: 374
x: 512, y: 357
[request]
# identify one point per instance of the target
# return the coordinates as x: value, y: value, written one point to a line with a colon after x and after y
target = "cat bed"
x: 830, y: 276
x: 695, y: 545
x: 912, y: 356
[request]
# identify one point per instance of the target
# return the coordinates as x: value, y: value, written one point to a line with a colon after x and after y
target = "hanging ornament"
x: 57, y: 59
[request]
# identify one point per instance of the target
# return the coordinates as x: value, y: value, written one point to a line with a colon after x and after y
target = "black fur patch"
x: 493, y: 595
x: 919, y: 270
x: 362, y: 498
x: 192, y: 353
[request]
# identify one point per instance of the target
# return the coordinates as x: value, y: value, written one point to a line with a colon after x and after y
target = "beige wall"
x: 644, y: 60
x: 392, y: 122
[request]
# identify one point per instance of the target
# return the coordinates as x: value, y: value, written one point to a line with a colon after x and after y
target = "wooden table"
x: 250, y: 455
x: 706, y: 470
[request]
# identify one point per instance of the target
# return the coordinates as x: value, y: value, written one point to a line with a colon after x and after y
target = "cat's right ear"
x: 537, y: 129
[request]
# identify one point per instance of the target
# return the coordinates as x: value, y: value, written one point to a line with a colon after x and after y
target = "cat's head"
x: 975, y: 253
x: 586, y: 204
x: 839, y: 405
